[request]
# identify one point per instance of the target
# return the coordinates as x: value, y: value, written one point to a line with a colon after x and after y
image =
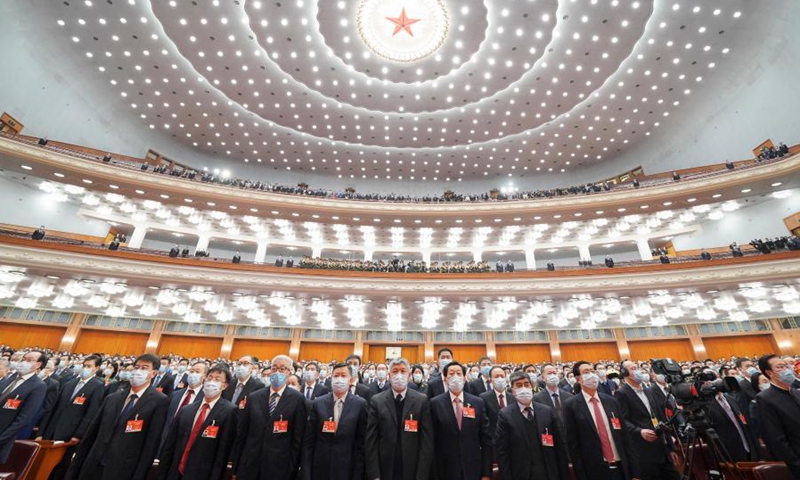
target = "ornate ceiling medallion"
x: 403, y: 30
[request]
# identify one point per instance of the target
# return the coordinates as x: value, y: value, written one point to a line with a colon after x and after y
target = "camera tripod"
x: 716, y: 454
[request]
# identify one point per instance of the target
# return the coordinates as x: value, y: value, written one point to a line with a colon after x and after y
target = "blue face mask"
x: 638, y: 376
x: 162, y: 369
x: 277, y: 380
x: 786, y: 376
x: 752, y: 370
x: 485, y: 371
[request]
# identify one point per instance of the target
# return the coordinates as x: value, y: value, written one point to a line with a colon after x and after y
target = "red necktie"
x: 187, y: 398
x: 195, y: 430
x: 459, y: 412
x: 502, y: 399
x: 605, y: 442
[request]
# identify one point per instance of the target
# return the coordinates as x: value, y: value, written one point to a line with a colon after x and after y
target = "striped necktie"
x: 273, y: 402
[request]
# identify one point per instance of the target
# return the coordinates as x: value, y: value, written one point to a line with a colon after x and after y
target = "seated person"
x: 38, y: 234
x: 237, y: 258
x: 664, y: 259
x: 609, y: 261
x: 174, y: 251
x: 705, y: 255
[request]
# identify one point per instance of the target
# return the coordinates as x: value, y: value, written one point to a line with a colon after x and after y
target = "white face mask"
x: 551, y: 379
x: 601, y: 374
x: 399, y: 381
x: 590, y: 380
x: 211, y: 388
x: 456, y: 384
x: 139, y: 378
x: 764, y: 386
x: 417, y: 378
x: 500, y: 383
x: 524, y: 395
x: 86, y: 373
x: 24, y: 368
x: 340, y: 384
x: 571, y: 380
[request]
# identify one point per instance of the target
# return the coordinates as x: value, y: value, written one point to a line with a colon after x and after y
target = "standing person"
x: 246, y: 383
x: 552, y: 396
x: 312, y: 388
x: 333, y: 447
x: 461, y: 430
x: 179, y: 399
x: 164, y: 381
x: 598, y: 446
x: 270, y: 429
x: 435, y: 384
x: 200, y: 440
x: 123, y: 439
x: 399, y: 430
x: 21, y: 400
x: 529, y: 443
x: 777, y: 409
x: 498, y: 399
x: 381, y: 382
x: 483, y: 383
x: 640, y: 415
x: 607, y: 387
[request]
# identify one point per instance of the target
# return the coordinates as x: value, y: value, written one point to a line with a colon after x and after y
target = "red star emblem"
x: 403, y: 23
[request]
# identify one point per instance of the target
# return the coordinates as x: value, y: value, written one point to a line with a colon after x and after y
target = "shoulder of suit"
x: 468, y: 397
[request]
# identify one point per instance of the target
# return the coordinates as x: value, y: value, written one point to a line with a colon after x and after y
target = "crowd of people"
x: 774, y: 244
x: 769, y: 153
x: 283, y: 419
x: 401, y: 266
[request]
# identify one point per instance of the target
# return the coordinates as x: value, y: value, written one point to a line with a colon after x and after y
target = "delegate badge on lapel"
x: 615, y: 423
x: 160, y: 389
x: 79, y: 400
x: 280, y: 426
x: 654, y: 420
x: 242, y: 403
x: 12, y: 403
x: 547, y: 439
x: 411, y: 425
x: 211, y: 431
x: 742, y: 419
x: 329, y: 426
x: 135, y: 425
x: 469, y: 412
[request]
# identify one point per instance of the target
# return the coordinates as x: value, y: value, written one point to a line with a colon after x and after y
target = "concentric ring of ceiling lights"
x: 518, y: 87
x: 429, y: 18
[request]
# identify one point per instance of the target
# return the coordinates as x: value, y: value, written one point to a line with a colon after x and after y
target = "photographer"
x: 641, y: 415
x: 725, y: 416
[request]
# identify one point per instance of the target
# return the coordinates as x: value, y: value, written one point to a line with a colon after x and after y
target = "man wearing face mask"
x: 164, y: 381
x: 552, y: 396
x: 482, y: 383
x: 731, y: 426
x: 193, y: 393
x: 435, y: 384
x: 357, y: 388
x: 271, y: 426
x: 598, y: 446
x: 312, y: 388
x: 495, y: 400
x: 333, y: 447
x: 123, y: 438
x: 21, y: 400
x: 199, y: 442
x: 381, y: 380
x: 238, y: 392
x: 777, y: 409
x: 399, y: 430
x: 529, y: 442
x: 651, y: 453
x: 50, y: 400
x: 538, y: 384
x: 606, y: 387
x: 461, y: 430
x: 369, y: 375
x: 181, y: 379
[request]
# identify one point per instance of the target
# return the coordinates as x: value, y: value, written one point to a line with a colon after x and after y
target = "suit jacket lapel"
x: 407, y: 404
x: 348, y: 405
x: 282, y: 400
x: 142, y: 400
x: 451, y: 414
x: 390, y: 405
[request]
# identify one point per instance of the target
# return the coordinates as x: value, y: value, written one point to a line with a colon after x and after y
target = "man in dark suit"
x: 200, y: 440
x: 598, y: 446
x: 246, y: 382
x: 399, y: 430
x: 730, y: 424
x: 270, y: 429
x: 461, y: 430
x: 607, y: 387
x: 483, y: 383
x: 651, y: 453
x: 529, y: 442
x: 495, y: 400
x: 777, y: 408
x: 381, y: 381
x: 333, y: 447
x: 50, y: 398
x: 357, y: 388
x: 435, y: 385
x: 164, y: 381
x: 665, y: 400
x: 180, y: 377
x: 746, y: 393
x: 193, y: 393
x: 123, y: 438
x: 21, y: 400
x: 355, y: 361
x: 312, y: 387
x: 552, y: 396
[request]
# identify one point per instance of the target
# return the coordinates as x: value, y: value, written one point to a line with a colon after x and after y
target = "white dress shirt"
x: 588, y: 399
x: 460, y: 397
x: 210, y: 407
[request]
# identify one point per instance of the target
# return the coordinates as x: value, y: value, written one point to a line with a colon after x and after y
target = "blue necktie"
x: 126, y: 411
x: 273, y: 402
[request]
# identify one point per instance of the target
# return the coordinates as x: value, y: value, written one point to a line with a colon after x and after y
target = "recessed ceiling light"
x: 140, y: 192
x: 26, y: 167
x: 275, y: 212
x: 716, y: 195
x: 115, y: 187
x: 86, y: 180
x: 777, y: 184
x: 59, y: 175
x: 667, y: 204
x: 747, y: 190
x: 691, y: 200
x: 164, y: 196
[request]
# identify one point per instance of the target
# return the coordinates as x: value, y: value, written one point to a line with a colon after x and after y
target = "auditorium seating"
x: 20, y: 461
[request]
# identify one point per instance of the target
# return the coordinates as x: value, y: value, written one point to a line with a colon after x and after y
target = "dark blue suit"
x: 340, y: 455
x: 172, y: 411
x: 463, y: 454
x: 30, y: 395
x: 607, y: 388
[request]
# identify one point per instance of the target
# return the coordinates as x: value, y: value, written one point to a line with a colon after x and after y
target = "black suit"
x: 435, y: 387
x: 609, y: 387
x: 492, y: 410
x: 107, y: 452
x: 180, y: 384
x: 583, y: 438
x: 545, y: 397
x: 477, y: 387
x: 175, y: 401
x: 651, y: 458
x: 464, y: 453
x: 375, y: 388
x: 6, y: 381
x: 518, y: 445
x: 50, y: 399
x: 164, y: 383
x: 253, y: 385
x: 339, y: 455
x: 18, y: 410
x: 363, y: 391
x: 384, y: 429
x: 71, y: 416
x: 262, y: 453
x: 780, y: 425
x: 208, y: 457
x: 745, y: 395
x: 318, y: 390
x: 719, y: 419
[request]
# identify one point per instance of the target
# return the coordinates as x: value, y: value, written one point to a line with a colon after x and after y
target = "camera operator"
x: 777, y: 409
x: 725, y: 416
x: 652, y: 448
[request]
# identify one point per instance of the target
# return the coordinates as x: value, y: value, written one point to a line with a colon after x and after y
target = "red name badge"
x: 469, y: 412
x: 79, y: 400
x: 160, y: 389
x: 411, y: 426
x: 181, y: 386
x: 134, y: 426
x: 744, y: 420
x: 242, y: 403
x: 12, y: 403
x: 329, y: 427
x: 211, y: 431
x: 280, y: 426
x: 547, y: 440
x: 616, y: 424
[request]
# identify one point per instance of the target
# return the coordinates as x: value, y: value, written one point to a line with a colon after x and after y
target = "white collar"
x: 523, y: 407
x: 589, y: 398
x: 460, y: 396
x: 279, y: 392
x: 402, y: 394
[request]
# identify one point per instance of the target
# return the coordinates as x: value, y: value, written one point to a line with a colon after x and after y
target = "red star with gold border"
x: 403, y: 23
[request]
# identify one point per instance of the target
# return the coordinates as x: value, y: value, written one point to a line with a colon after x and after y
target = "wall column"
x: 622, y: 344
x: 72, y: 332
x: 227, y: 341
x: 491, y: 349
x: 294, y: 349
x: 202, y: 243
x: 155, y: 337
x: 429, y: 353
x: 644, y: 249
x: 530, y: 259
x: 137, y: 237
x: 426, y: 257
x: 477, y: 255
x: 316, y: 251
x: 584, y: 253
x: 555, y: 348
x: 358, y: 348
x: 697, y: 342
x: 261, y: 252
x: 782, y: 340
x: 368, y: 255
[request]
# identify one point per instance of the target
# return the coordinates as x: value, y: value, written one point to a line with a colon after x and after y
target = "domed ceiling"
x: 423, y: 90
